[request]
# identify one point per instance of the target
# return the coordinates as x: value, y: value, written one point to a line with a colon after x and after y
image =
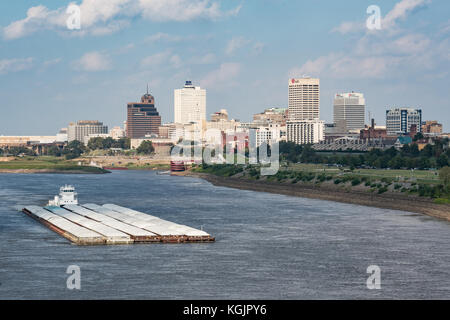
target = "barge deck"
x: 92, y: 224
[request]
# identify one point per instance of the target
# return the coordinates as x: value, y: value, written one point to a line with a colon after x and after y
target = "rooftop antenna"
x: 147, y: 88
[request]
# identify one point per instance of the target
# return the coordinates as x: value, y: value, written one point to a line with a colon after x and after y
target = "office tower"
x: 304, y: 99
x: 349, y: 110
x: 400, y: 120
x: 81, y: 129
x: 303, y: 125
x: 190, y: 104
x: 142, y: 117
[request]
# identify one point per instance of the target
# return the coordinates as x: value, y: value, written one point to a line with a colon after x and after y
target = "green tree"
x: 107, y: 143
x: 442, y: 161
x: 95, y: 143
x: 146, y: 147
x: 444, y: 175
x: 54, y: 151
x: 73, y: 150
x: 418, y: 136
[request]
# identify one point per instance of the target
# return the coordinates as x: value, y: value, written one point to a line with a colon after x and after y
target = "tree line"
x: 75, y: 148
x: 409, y: 157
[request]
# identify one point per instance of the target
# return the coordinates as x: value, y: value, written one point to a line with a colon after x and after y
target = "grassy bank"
x: 47, y: 164
x: 419, y: 183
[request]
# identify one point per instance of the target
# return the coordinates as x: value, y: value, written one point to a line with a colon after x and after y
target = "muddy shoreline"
x: 386, y: 200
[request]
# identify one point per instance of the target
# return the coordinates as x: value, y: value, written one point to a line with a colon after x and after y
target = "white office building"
x: 304, y: 99
x: 306, y: 131
x: 190, y: 104
x: 349, y: 111
x: 400, y: 120
x: 303, y: 125
x: 81, y: 129
x: 270, y: 134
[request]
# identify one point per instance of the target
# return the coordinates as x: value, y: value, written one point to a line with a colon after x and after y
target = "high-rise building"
x: 303, y: 125
x: 190, y: 104
x: 304, y: 99
x: 142, y: 117
x: 306, y: 131
x: 400, y: 120
x: 81, y: 129
x: 349, y: 110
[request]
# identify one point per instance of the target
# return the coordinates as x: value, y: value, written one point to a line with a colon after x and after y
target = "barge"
x: 109, y: 224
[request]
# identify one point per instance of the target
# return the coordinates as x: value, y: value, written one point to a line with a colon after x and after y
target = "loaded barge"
x: 93, y: 224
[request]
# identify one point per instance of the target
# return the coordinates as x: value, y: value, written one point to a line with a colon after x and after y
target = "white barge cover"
x: 150, y: 222
x: 101, y: 217
x: 63, y: 224
x: 156, y: 228
x: 112, y: 235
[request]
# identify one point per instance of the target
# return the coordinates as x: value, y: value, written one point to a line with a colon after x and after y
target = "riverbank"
x: 388, y: 200
x: 82, y: 170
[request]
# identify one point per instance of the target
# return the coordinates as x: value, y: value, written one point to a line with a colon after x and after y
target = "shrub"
x: 382, y: 190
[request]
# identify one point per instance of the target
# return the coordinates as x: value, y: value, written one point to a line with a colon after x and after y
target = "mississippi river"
x: 268, y: 246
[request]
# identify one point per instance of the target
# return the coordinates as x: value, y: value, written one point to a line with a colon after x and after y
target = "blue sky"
x: 242, y: 52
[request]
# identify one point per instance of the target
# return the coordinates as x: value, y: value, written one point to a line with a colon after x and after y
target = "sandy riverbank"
x: 388, y: 200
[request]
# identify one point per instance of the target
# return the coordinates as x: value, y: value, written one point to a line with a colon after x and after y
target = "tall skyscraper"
x: 400, y: 120
x: 190, y: 104
x: 142, y: 118
x: 81, y: 129
x: 349, y: 109
x: 303, y: 125
x: 304, y: 99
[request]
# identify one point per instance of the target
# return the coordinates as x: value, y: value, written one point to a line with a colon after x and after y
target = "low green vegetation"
x: 409, y: 157
x: 48, y: 163
x: 432, y: 184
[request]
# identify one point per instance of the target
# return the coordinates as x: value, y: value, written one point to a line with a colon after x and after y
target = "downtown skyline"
x: 53, y: 76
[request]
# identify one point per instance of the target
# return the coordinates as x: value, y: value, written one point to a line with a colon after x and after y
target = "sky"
x: 243, y: 52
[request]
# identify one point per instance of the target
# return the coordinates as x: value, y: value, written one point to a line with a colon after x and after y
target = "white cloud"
x: 236, y: 43
x: 394, y: 53
x: 15, y: 65
x: 349, y: 27
x: 161, y: 36
x: 239, y: 42
x: 206, y: 59
x: 399, y: 12
x: 161, y: 58
x: 100, y: 17
x: 93, y: 62
x: 223, y: 76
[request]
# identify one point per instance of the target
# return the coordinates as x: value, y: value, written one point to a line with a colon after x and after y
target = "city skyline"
x: 60, y: 76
